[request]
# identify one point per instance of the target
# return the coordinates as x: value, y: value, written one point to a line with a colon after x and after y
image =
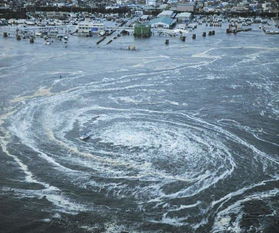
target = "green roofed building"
x: 142, y: 30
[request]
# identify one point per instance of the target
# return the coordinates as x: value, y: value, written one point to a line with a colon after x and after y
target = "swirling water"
x: 183, y: 138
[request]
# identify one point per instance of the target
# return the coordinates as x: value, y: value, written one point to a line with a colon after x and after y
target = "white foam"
x: 223, y: 221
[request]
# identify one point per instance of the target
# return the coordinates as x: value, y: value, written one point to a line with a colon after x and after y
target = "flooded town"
x: 110, y: 20
x: 139, y: 116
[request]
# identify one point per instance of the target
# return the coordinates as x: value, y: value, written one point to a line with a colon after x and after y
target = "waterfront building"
x: 89, y: 28
x: 162, y: 22
x: 184, y: 17
x: 142, y: 30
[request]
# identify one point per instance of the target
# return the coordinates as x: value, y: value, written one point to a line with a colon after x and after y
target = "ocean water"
x: 183, y: 138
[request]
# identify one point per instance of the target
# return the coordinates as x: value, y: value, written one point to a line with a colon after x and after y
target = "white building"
x: 152, y: 2
x: 166, y: 13
x: 89, y: 28
x: 183, y: 17
x: 162, y: 22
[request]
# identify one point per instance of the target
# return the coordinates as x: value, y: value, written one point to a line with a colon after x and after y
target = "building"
x: 187, y: 7
x: 57, y: 14
x: 166, y: 13
x: 152, y: 3
x: 162, y: 22
x: 86, y: 28
x: 184, y: 17
x: 142, y: 30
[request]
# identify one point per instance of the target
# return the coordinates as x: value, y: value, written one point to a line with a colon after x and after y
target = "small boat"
x: 95, y: 118
x: 270, y: 32
x: 84, y: 137
x: 39, y: 34
x: 87, y: 134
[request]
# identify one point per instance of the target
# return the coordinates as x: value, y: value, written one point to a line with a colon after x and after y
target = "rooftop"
x: 165, y: 20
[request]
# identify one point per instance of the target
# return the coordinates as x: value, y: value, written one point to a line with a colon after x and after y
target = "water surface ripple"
x: 183, y: 138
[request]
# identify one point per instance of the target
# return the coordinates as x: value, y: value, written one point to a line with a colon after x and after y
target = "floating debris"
x: 98, y: 42
x: 132, y: 47
x: 109, y: 42
x: 183, y: 38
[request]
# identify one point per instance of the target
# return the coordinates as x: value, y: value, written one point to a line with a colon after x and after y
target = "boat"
x: 85, y: 137
x: 270, y: 31
x: 95, y: 118
x: 39, y: 34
